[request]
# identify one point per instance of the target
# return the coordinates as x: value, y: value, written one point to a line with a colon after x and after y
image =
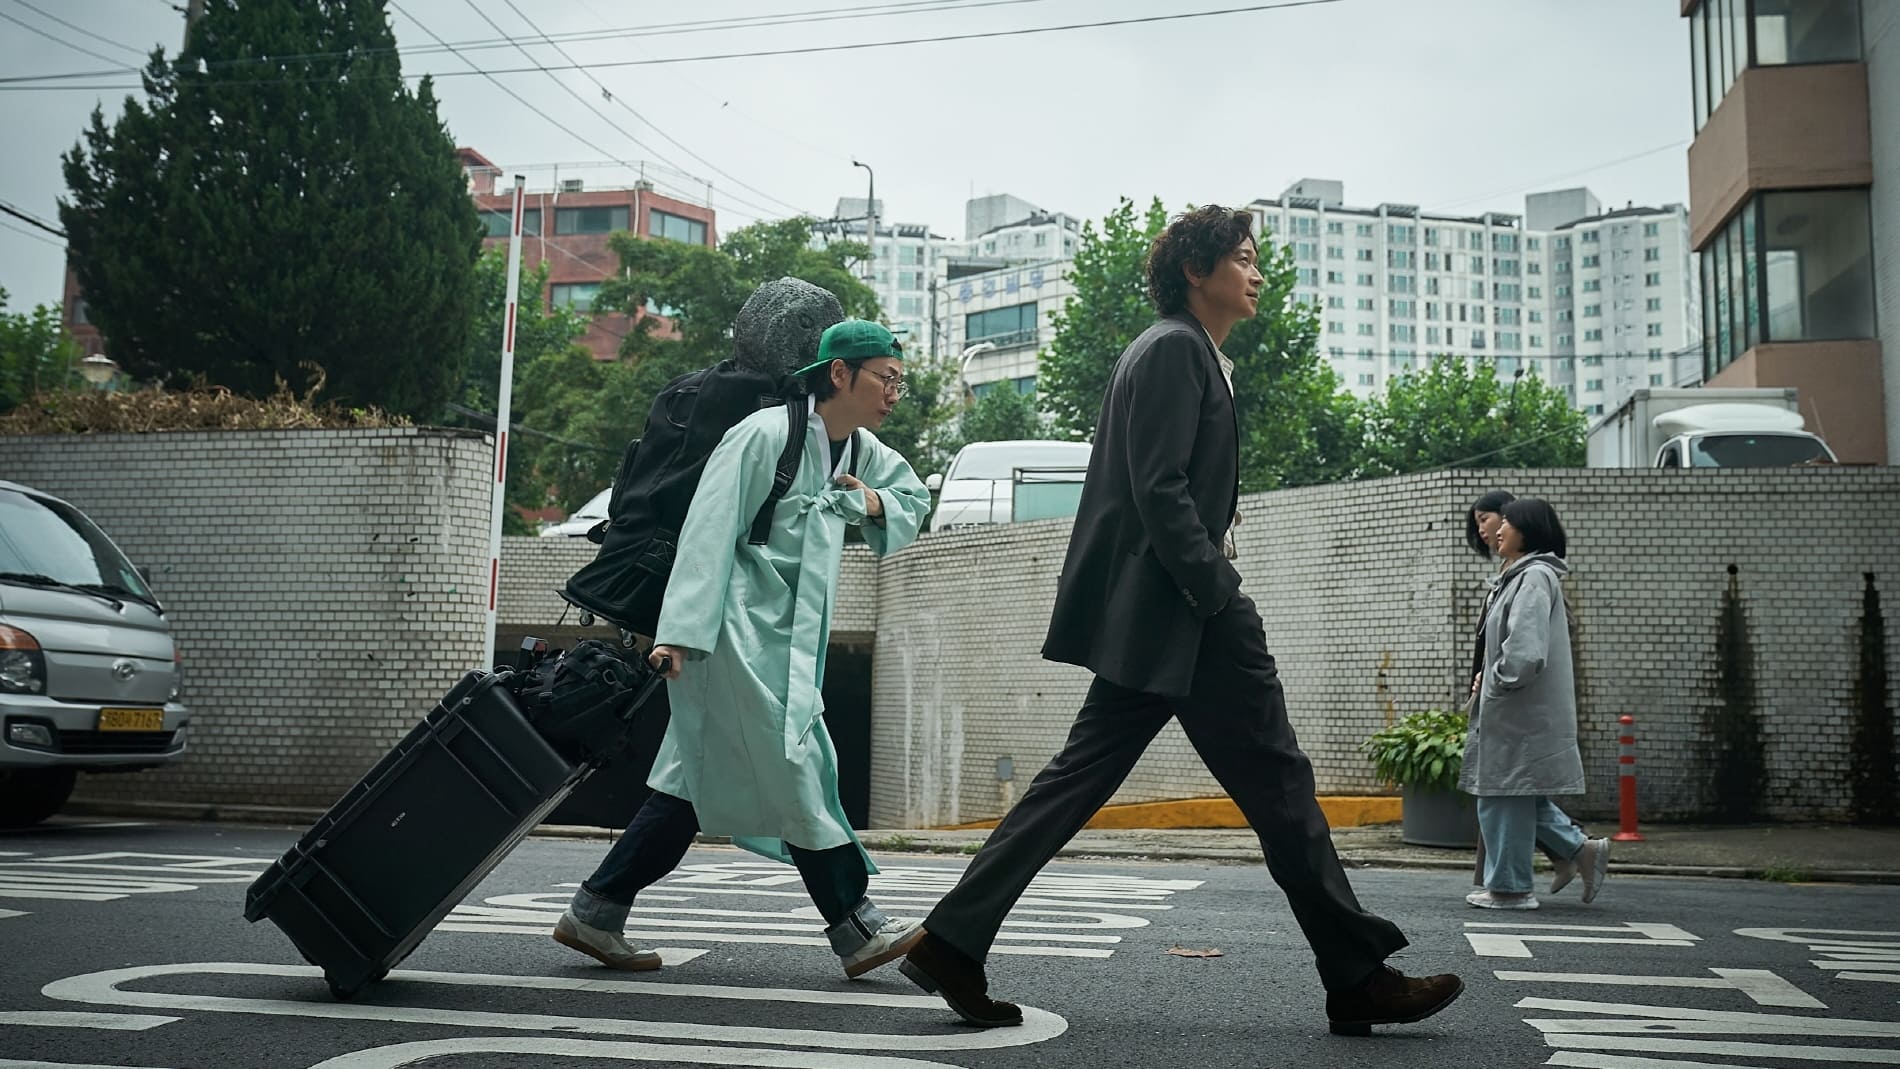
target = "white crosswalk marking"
x: 1064, y: 915
x: 108, y: 876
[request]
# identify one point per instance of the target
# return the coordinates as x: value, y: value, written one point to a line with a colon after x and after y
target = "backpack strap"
x: 853, y: 469
x: 787, y: 470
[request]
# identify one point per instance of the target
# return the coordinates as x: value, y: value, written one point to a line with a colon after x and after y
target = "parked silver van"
x: 89, y: 674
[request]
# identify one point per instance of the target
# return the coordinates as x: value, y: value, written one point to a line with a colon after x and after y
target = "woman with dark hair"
x: 1521, y: 747
x: 1482, y: 519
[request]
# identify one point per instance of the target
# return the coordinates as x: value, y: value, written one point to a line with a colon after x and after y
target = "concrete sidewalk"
x: 1784, y: 852
x: 1794, y: 853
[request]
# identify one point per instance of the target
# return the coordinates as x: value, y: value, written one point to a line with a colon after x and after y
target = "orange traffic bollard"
x: 1627, y: 787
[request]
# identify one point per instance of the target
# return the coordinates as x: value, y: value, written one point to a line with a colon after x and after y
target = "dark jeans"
x: 1235, y: 717
x: 661, y: 833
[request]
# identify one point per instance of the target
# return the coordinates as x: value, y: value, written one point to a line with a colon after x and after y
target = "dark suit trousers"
x: 1235, y: 717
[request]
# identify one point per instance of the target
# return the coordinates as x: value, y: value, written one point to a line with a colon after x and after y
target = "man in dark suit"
x: 1149, y: 600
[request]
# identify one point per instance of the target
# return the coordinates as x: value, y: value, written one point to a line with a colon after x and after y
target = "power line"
x: 664, y: 29
x: 476, y: 413
x: 24, y: 232
x: 60, y: 41
x: 49, y: 16
x: 809, y: 50
x: 1560, y: 177
x: 629, y: 109
x: 33, y: 219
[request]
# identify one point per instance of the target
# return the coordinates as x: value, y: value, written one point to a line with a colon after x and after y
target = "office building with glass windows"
x: 1794, y: 193
x: 1597, y: 303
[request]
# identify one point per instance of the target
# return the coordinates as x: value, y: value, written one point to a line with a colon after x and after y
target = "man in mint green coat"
x: 742, y: 638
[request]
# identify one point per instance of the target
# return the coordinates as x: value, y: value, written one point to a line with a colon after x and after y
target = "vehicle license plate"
x: 131, y: 720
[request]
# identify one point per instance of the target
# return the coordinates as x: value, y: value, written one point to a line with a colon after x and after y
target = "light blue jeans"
x: 1513, y: 827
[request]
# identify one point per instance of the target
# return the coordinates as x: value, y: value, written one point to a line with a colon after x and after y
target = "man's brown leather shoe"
x: 1389, y: 997
x: 941, y: 969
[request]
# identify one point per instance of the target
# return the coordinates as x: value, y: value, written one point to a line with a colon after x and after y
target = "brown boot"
x: 1389, y: 996
x: 941, y: 969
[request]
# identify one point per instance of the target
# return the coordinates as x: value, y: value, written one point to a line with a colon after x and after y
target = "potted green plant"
x: 1422, y: 753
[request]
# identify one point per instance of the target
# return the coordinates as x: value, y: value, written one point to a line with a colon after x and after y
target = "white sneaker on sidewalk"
x: 609, y: 948
x: 1564, y: 869
x: 891, y: 941
x: 1502, y: 900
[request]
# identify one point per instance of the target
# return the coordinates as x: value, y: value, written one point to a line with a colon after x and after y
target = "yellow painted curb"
x: 1342, y: 811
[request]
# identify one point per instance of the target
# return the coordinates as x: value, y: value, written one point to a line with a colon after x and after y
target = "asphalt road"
x: 124, y: 945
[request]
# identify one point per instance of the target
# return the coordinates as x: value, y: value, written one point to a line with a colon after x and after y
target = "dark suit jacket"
x: 1144, y: 569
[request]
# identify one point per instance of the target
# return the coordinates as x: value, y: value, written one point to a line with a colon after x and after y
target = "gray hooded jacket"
x: 1523, y: 734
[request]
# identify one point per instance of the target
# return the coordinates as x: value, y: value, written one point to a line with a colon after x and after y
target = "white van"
x: 89, y: 673
x: 987, y: 479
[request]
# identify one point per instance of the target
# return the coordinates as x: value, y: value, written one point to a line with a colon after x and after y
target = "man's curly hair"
x: 1198, y: 239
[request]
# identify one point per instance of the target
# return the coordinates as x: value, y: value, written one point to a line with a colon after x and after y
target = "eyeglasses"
x: 894, y: 383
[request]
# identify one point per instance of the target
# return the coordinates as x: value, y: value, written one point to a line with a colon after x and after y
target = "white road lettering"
x: 1762, y: 985
x: 116, y: 1022
x: 393, y: 1057
x: 1516, y: 945
x: 103, y: 989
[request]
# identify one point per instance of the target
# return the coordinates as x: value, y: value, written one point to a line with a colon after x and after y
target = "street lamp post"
x: 963, y: 365
x: 870, y: 222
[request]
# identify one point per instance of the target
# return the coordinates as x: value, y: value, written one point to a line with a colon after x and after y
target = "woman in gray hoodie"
x: 1522, y: 744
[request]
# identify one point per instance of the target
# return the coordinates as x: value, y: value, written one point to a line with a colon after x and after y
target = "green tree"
x: 1297, y: 426
x: 544, y: 338
x: 1453, y: 415
x: 1110, y: 309
x: 36, y: 353
x: 1003, y: 415
x: 256, y: 214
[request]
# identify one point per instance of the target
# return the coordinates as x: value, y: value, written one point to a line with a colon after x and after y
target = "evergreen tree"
x: 280, y: 199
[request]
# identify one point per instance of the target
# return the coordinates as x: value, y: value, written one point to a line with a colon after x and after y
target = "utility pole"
x: 194, y: 10
x: 870, y: 225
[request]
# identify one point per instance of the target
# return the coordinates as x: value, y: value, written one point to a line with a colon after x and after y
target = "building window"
x: 495, y: 222
x: 1366, y: 280
x: 605, y: 219
x: 1003, y: 327
x: 1333, y: 226
x: 1366, y: 378
x: 1537, y: 341
x: 1434, y: 335
x: 1335, y: 252
x: 1364, y: 255
x: 1593, y: 334
x: 1363, y: 230
x: 1305, y: 225
x: 1366, y: 330
x: 1366, y: 304
x: 676, y: 227
x: 1655, y: 355
x: 1401, y: 283
x: 1334, y: 326
x: 1806, y: 31
x: 1336, y: 277
x: 1655, y: 330
x: 1592, y: 260
x: 1534, y: 293
x: 1402, y: 332
x: 1592, y: 285
x: 1654, y: 304
x: 1653, y: 278
x: 1477, y: 291
x: 1402, y: 309
x: 1336, y: 353
x: 1307, y: 276
x: 1403, y: 259
x: 1593, y: 385
x: 910, y: 306
x: 578, y: 296
x: 1335, y: 302
x: 1305, y: 250
x: 1652, y: 255
x: 1791, y: 266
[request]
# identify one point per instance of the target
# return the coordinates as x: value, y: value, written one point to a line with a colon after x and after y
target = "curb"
x: 297, y: 817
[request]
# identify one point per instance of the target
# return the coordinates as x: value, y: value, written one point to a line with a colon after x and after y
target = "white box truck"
x: 1706, y: 427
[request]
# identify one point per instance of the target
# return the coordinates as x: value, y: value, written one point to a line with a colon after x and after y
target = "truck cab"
x: 1737, y: 436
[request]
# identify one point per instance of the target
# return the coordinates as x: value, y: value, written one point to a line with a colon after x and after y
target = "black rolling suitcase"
x: 405, y: 845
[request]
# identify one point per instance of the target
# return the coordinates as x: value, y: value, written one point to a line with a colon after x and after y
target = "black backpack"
x: 658, y: 475
x: 582, y: 700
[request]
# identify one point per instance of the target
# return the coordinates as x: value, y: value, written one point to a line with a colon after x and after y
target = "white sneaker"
x: 1594, y: 861
x: 609, y: 948
x: 888, y: 943
x: 1502, y: 900
x: 1563, y: 870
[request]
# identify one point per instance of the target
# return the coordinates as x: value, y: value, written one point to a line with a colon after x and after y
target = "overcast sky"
x: 1453, y: 105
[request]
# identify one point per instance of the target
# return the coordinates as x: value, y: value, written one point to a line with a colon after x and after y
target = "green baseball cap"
x: 854, y: 341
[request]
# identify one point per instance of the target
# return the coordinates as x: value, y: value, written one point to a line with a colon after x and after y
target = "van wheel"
x: 30, y: 795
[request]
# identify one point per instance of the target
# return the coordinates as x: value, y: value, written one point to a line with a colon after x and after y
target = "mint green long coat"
x: 746, y: 744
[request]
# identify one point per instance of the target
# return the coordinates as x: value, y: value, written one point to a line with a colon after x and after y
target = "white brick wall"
x: 1369, y: 599
x: 325, y: 587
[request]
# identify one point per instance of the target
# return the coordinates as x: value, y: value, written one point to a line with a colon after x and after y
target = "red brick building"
x: 568, y: 229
